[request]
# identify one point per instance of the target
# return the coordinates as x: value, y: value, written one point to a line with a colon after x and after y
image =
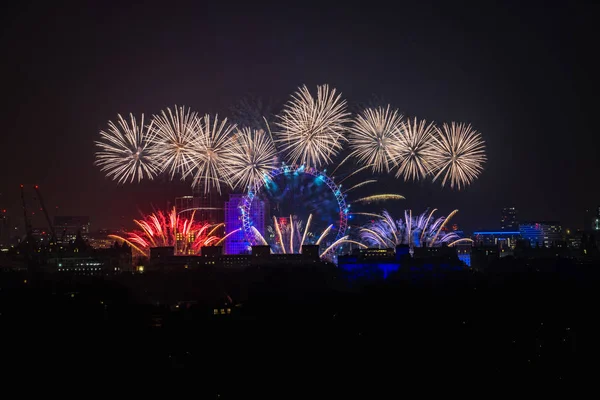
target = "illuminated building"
x: 67, y: 227
x: 504, y: 240
x: 206, y: 207
x: 237, y: 243
x: 508, y: 219
x: 380, y: 263
x: 542, y: 234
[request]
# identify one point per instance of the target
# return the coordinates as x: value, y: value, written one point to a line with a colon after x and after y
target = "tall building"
x: 206, y: 207
x: 67, y: 227
x: 237, y: 243
x: 544, y: 233
x: 508, y: 219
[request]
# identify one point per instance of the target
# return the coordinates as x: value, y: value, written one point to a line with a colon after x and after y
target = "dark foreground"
x: 309, y: 332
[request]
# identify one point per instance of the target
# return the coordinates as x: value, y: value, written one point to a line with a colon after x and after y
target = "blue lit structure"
x: 541, y: 233
x: 502, y: 239
x: 369, y: 264
x: 237, y: 242
x: 247, y: 203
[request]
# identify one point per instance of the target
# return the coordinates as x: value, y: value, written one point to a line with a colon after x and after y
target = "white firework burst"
x: 312, y: 129
x: 459, y: 154
x: 415, y: 150
x: 125, y: 151
x: 252, y: 156
x: 175, y: 135
x: 211, y: 164
x: 374, y: 135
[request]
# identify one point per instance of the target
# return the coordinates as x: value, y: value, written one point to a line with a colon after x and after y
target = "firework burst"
x: 312, y: 129
x: 459, y: 155
x: 125, y: 151
x: 252, y: 156
x: 211, y: 162
x: 174, y: 141
x: 161, y: 229
x: 415, y: 150
x: 374, y: 137
x: 419, y: 231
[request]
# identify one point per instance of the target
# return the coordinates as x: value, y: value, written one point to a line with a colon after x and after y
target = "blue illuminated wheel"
x: 246, y: 204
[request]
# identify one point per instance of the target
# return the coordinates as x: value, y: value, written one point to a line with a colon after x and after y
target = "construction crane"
x: 50, y: 226
x: 28, y: 230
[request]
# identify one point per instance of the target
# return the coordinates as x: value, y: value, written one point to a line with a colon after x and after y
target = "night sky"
x: 524, y: 76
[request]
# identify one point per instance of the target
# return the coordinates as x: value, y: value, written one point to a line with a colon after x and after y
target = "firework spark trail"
x: 174, y: 140
x: 252, y: 157
x: 279, y: 235
x: 226, y: 236
x: 379, y: 197
x: 386, y: 232
x: 125, y: 151
x: 367, y: 214
x: 340, y: 164
x: 212, y: 154
x: 305, y: 230
x: 373, y: 137
x: 408, y: 219
x: 354, y: 173
x: 364, y: 246
x: 325, y: 232
x: 460, y: 241
x: 442, y: 226
x: 363, y: 183
x: 415, y: 150
x: 334, y: 244
x: 312, y: 129
x: 387, y: 218
x: 291, y: 234
x: 214, y: 229
x: 128, y: 241
x: 161, y: 230
x: 257, y: 234
x: 427, y: 223
x: 379, y: 238
x: 459, y: 154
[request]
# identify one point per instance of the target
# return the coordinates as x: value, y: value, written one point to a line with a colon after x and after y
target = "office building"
x: 508, y: 219
x: 237, y: 243
x: 542, y: 234
x: 67, y: 228
x: 504, y: 240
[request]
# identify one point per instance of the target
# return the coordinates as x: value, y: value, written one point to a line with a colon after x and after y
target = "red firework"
x: 161, y: 229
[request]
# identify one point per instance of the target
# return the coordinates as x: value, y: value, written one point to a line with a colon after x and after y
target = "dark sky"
x: 524, y: 76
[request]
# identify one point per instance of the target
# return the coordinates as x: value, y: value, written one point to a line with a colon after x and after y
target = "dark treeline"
x: 520, y: 322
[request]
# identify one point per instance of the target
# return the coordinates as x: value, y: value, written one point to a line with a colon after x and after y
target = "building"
x: 541, y: 234
x: 381, y: 263
x: 237, y: 243
x: 504, y: 240
x: 206, y: 207
x: 508, y: 219
x: 162, y: 258
x: 67, y: 228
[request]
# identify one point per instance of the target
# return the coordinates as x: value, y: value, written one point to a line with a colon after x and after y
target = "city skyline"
x: 474, y: 78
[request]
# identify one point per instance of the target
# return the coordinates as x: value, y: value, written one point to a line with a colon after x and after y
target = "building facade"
x: 545, y: 233
x: 236, y: 243
x: 67, y: 228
